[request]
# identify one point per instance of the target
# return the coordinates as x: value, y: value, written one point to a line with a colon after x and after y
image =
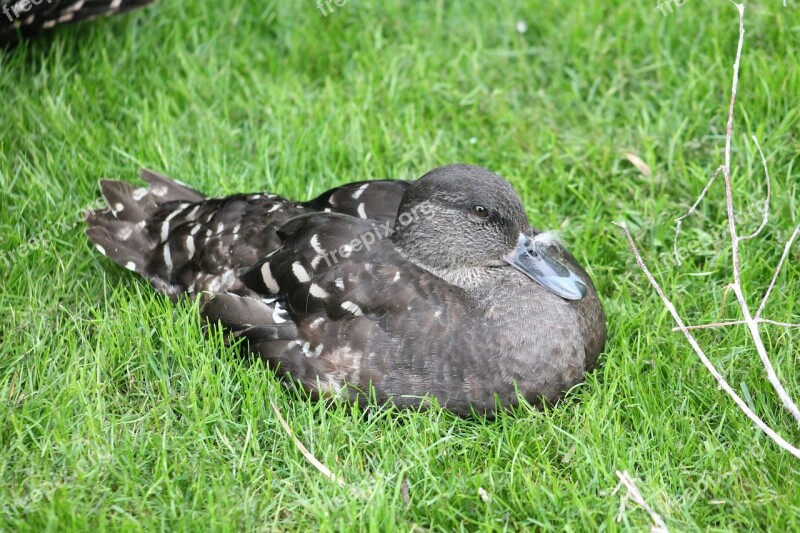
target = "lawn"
x: 117, y: 413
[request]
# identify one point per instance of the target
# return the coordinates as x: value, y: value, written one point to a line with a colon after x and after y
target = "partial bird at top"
x: 24, y: 18
x: 437, y: 287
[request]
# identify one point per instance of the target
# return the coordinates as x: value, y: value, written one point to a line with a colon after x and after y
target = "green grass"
x: 117, y: 413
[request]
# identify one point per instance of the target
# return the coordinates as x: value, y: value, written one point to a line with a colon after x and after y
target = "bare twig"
x: 627, y: 481
x: 739, y: 323
x: 765, y: 217
x: 749, y: 321
x: 679, y: 220
x: 307, y: 454
x: 726, y: 167
x: 786, y: 250
x: 780, y: 441
x: 752, y: 325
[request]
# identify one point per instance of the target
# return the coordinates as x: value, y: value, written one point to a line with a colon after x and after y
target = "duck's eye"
x: 480, y: 211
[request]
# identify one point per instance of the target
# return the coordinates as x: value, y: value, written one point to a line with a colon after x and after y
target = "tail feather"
x: 123, y: 231
x: 258, y: 320
x: 124, y: 242
x: 189, y: 246
x: 169, y: 190
x: 181, y: 241
x: 126, y: 202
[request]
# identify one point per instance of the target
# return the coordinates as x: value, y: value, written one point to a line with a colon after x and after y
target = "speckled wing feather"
x: 182, y: 242
x: 375, y: 200
x: 23, y: 18
x: 185, y: 243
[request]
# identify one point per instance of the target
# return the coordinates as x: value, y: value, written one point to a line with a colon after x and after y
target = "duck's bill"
x: 533, y: 259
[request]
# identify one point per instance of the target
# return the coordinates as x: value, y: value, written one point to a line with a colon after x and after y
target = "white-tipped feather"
x: 317, y: 292
x: 269, y: 279
x: 300, y: 272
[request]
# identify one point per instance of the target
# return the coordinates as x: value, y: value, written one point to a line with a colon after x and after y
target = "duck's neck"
x: 439, y: 256
x: 471, y: 279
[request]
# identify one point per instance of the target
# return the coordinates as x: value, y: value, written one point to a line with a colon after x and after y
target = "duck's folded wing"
x: 364, y: 315
x: 340, y: 266
x: 376, y: 200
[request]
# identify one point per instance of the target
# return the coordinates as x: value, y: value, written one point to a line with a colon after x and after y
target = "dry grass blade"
x: 307, y: 454
x: 640, y: 165
x: 627, y: 481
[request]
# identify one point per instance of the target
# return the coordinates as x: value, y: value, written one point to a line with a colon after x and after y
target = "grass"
x: 117, y: 413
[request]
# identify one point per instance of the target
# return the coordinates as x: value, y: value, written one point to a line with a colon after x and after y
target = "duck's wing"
x: 25, y: 18
x: 185, y: 243
x: 374, y: 200
x: 363, y: 315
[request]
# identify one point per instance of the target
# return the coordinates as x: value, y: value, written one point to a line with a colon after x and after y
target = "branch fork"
x: 752, y: 321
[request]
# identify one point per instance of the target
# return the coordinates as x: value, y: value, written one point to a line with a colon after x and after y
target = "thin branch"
x: 780, y: 441
x: 769, y: 193
x: 679, y: 220
x: 633, y: 492
x: 726, y: 167
x: 751, y: 322
x: 752, y: 325
x: 776, y: 323
x: 777, y: 271
x: 739, y: 323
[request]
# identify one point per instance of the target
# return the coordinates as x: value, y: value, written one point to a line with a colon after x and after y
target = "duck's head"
x: 461, y: 222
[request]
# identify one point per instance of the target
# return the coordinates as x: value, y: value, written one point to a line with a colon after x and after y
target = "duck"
x: 436, y: 291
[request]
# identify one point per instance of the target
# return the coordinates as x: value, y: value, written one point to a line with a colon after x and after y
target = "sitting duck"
x: 435, y: 288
